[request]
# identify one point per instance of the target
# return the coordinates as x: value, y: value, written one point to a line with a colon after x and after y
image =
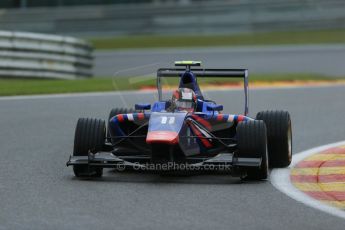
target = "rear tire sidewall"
x: 279, y: 137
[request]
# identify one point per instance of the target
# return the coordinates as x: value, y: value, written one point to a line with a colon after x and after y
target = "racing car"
x: 186, y: 129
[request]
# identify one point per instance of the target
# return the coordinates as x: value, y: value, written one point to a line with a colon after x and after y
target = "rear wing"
x: 199, y: 72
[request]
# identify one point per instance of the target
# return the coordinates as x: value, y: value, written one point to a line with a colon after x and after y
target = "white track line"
x: 280, y: 179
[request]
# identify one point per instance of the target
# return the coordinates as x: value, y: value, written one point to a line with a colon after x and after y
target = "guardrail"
x: 169, y: 17
x: 36, y: 55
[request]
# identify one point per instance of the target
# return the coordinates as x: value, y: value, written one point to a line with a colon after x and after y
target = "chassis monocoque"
x: 152, y: 137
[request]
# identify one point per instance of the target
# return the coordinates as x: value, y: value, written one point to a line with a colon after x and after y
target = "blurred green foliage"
x: 10, y: 87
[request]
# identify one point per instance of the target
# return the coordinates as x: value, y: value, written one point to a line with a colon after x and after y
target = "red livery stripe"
x: 167, y: 137
x: 204, y: 141
x: 219, y: 117
x: 202, y: 121
x: 141, y: 116
x: 240, y: 118
x: 120, y: 117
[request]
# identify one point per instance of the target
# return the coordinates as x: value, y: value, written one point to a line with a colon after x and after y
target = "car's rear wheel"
x: 279, y: 137
x: 114, y: 112
x: 89, y: 136
x: 252, y: 143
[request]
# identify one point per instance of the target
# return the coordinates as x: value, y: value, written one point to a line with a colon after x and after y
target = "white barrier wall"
x: 164, y: 17
x: 44, y: 56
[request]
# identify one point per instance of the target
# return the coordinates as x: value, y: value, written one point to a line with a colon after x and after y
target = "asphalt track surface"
x: 37, y: 190
x: 319, y: 59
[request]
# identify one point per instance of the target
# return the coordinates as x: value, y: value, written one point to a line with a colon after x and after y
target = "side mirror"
x: 142, y: 106
x: 213, y: 107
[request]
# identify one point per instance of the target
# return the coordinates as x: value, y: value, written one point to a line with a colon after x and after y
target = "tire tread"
x: 89, y: 136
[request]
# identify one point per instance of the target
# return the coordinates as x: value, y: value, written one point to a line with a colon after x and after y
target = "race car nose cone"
x: 166, y: 137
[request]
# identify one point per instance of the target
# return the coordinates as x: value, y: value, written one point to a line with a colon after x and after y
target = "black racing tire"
x: 89, y: 136
x: 114, y: 112
x: 279, y: 137
x: 252, y: 143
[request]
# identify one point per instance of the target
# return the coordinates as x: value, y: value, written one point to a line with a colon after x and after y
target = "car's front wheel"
x: 252, y: 143
x: 89, y: 136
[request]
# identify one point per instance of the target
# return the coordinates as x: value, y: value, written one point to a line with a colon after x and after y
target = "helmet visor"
x: 184, y: 104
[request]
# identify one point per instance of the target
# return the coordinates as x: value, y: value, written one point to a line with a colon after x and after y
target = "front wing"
x: 220, y: 162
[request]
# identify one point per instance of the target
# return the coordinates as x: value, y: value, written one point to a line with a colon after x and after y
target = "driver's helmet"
x: 184, y: 99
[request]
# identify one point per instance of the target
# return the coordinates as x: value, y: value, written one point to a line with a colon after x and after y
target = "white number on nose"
x: 172, y: 120
x: 165, y: 120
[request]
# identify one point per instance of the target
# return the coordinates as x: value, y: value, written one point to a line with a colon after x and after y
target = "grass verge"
x: 10, y: 87
x: 268, y: 38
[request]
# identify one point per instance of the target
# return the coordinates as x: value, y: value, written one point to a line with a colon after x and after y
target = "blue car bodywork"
x: 153, y: 133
